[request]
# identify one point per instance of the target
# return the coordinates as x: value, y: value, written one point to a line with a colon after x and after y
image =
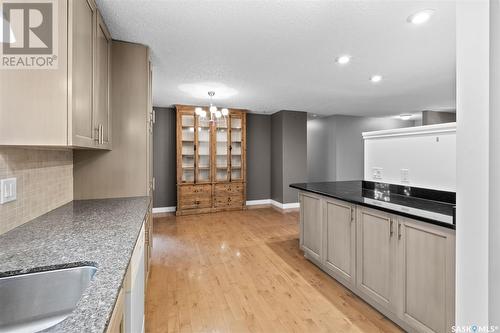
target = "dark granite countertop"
x: 436, y: 207
x: 101, y: 233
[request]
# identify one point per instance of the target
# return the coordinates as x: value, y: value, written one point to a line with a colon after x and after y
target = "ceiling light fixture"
x: 421, y: 16
x: 405, y: 116
x: 376, y: 78
x: 344, y: 59
x: 215, y: 115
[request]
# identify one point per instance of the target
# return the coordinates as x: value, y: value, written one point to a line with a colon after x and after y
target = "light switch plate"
x: 377, y: 173
x: 8, y: 190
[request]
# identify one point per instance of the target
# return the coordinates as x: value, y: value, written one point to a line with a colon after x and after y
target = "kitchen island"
x: 392, y: 245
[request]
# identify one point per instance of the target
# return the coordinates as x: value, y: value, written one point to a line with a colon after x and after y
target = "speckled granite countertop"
x: 102, y: 233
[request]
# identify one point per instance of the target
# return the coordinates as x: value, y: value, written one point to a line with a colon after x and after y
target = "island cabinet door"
x: 427, y: 276
x: 376, y: 257
x: 339, y: 239
x: 310, y: 225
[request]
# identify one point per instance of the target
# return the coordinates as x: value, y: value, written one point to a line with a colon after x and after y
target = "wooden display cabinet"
x: 211, y: 162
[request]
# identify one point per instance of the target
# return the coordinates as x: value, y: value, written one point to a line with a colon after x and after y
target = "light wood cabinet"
x: 376, y: 256
x: 102, y: 74
x: 211, y: 162
x: 426, y: 275
x: 404, y: 268
x: 83, y: 15
x: 65, y: 106
x: 310, y: 226
x: 339, y: 239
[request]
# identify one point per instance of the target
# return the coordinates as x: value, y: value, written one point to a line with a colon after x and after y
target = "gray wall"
x: 258, y: 156
x: 289, y: 154
x: 433, y: 117
x: 344, y: 149
x: 164, y: 158
x: 294, y: 153
x: 277, y: 156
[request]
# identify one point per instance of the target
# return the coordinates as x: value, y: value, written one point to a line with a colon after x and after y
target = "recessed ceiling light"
x: 405, y: 116
x: 421, y: 16
x: 344, y: 59
x: 376, y: 78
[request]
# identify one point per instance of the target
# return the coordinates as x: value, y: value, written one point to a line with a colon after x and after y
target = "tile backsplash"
x: 44, y: 182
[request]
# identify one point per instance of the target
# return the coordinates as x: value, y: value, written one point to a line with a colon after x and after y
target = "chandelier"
x: 214, y: 115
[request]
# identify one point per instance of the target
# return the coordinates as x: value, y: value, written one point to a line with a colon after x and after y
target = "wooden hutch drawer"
x: 195, y: 190
x: 229, y: 189
x: 192, y: 202
x: 229, y: 201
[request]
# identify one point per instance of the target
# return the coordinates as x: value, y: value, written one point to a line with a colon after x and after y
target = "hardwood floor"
x: 243, y: 272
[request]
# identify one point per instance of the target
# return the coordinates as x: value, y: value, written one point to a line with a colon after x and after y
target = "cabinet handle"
x: 102, y: 134
x: 399, y: 230
x: 352, y: 214
x: 97, y: 137
x: 391, y: 231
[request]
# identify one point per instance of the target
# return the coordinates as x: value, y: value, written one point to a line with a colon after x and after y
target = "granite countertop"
x: 101, y: 233
x: 431, y: 206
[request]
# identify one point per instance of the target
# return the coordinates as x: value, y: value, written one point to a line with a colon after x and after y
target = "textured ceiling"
x: 275, y: 55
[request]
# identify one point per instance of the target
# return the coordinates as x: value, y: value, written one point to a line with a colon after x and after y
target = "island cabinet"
x: 339, y: 240
x: 404, y: 268
x: 66, y: 105
x: 426, y: 261
x: 376, y: 256
x: 311, y: 226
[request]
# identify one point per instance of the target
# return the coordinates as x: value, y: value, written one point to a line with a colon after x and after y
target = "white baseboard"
x: 164, y: 209
x: 274, y: 203
x: 258, y: 202
x: 249, y: 203
x: 285, y: 205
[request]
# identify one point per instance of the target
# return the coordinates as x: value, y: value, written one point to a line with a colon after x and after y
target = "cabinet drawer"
x: 195, y: 202
x: 195, y: 190
x: 229, y: 189
x: 229, y: 201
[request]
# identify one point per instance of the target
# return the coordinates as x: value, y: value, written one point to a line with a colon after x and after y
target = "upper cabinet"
x: 66, y: 105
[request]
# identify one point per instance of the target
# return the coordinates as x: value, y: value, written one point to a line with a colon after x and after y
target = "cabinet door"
x: 203, y: 151
x: 376, y: 256
x: 310, y: 223
x: 221, y: 152
x: 339, y: 239
x: 237, y: 147
x: 102, y: 110
x: 185, y: 147
x: 426, y: 263
x: 83, y: 22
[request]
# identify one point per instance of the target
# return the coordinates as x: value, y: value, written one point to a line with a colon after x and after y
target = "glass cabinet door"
x: 221, y: 151
x: 187, y: 148
x: 203, y: 151
x: 236, y: 147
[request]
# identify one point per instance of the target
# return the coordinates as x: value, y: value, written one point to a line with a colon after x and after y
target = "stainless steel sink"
x: 36, y: 301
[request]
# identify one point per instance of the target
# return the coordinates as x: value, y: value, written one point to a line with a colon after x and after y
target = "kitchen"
x: 163, y: 173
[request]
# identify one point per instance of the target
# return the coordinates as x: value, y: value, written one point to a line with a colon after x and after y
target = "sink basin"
x: 36, y: 301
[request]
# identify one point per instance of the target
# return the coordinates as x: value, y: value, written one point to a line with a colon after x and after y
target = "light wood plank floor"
x: 243, y: 272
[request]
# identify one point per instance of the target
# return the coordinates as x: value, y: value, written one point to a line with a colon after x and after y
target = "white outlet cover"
x: 8, y: 190
x: 405, y: 175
